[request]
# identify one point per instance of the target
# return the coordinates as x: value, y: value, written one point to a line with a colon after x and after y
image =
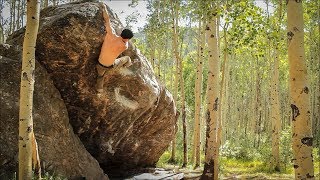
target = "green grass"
x: 231, y: 167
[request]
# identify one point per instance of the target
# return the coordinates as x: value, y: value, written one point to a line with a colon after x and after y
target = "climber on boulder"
x: 113, y: 45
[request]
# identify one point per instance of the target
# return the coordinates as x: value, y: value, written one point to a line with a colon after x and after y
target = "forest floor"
x: 233, y: 173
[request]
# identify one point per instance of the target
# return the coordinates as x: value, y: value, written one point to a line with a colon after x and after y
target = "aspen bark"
x: 176, y: 77
x: 198, y: 89
x: 211, y: 149
x: 318, y: 97
x: 159, y: 60
x: 45, y: 3
x: 12, y: 16
x: 275, y: 104
x: 26, y: 91
x: 1, y: 22
x: 299, y: 93
x: 222, y: 91
x: 275, y: 115
x: 18, y: 14
x: 179, y: 75
x: 153, y: 53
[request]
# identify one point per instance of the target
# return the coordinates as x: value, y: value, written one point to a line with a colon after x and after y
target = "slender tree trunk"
x: 159, y: 60
x: 198, y: 89
x: 210, y: 165
x: 275, y: 104
x: 318, y: 4
x: 226, y: 101
x: 45, y: 3
x: 176, y: 78
x: 18, y: 15
x: 1, y: 22
x: 275, y: 116
x: 163, y: 76
x: 23, y: 12
x: 299, y: 93
x: 153, y: 54
x: 12, y: 16
x: 222, y: 90
x: 26, y: 135
x: 175, y: 17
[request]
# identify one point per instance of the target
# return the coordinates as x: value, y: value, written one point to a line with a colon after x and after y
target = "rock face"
x: 60, y: 149
x: 131, y: 124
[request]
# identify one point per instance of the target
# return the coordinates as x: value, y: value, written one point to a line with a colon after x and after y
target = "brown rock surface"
x: 131, y: 125
x: 60, y: 149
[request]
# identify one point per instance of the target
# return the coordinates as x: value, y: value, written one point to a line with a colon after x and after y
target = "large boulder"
x: 131, y: 124
x: 61, y: 151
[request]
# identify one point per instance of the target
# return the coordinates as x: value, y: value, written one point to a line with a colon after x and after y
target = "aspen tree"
x: 275, y: 104
x: 211, y: 149
x: 275, y: 115
x: 198, y: 89
x: 175, y: 11
x: 299, y: 94
x: 176, y: 80
x: 12, y: 16
x: 318, y: 97
x: 1, y: 22
x: 45, y: 3
x: 26, y: 137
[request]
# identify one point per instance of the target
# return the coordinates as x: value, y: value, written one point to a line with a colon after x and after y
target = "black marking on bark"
x: 208, y: 129
x: 24, y: 145
x: 295, y: 166
x: 296, y: 30
x: 29, y: 129
x: 215, y: 105
x: 212, y: 36
x: 310, y: 176
x: 305, y: 90
x: 298, y: 1
x: 22, y: 119
x: 295, y: 112
x: 307, y: 141
x: 293, y: 79
x: 33, y: 17
x: 290, y: 35
x: 24, y: 76
x: 20, y: 138
x: 207, y: 28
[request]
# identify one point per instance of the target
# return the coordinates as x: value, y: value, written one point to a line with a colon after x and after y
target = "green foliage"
x: 239, y: 150
x: 163, y: 160
x: 286, y: 149
x: 232, y: 165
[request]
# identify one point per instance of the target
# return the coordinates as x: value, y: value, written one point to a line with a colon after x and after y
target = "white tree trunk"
x: 299, y: 92
x: 26, y: 91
